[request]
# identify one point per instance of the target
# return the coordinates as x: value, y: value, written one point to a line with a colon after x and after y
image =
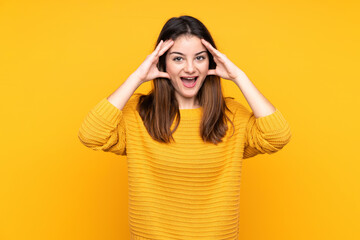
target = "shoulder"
x: 132, y: 102
x: 236, y: 107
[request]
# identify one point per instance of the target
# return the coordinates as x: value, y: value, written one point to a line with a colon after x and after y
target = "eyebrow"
x: 184, y: 54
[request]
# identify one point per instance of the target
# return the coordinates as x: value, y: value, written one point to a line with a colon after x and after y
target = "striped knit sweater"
x: 187, y: 189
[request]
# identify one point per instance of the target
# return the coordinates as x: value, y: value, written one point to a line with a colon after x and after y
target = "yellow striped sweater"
x: 187, y: 189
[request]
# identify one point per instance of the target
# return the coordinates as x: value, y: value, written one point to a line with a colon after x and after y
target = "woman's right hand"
x: 148, y: 70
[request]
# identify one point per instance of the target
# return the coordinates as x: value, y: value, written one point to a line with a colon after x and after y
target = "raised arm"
x: 147, y: 71
x: 104, y: 126
x: 266, y: 134
x: 267, y: 130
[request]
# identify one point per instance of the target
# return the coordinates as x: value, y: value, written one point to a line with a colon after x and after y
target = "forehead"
x: 187, y: 44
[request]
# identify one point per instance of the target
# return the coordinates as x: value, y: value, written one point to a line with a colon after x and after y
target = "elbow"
x: 281, y: 142
x: 84, y: 140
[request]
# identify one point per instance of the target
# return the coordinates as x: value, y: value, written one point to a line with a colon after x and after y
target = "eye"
x: 200, y: 58
x: 176, y: 59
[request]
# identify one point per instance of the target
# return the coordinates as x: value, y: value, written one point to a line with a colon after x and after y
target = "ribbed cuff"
x: 108, y: 111
x: 272, y: 122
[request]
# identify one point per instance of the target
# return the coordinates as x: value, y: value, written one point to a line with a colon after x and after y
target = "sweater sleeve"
x: 266, y: 134
x: 104, y: 129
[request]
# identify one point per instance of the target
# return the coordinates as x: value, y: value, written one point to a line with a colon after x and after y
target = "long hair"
x: 160, y: 108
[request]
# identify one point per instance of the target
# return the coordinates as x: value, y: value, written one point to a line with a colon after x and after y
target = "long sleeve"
x: 266, y: 134
x: 175, y: 187
x: 104, y: 129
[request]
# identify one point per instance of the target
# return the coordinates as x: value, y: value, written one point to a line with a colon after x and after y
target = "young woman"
x: 184, y: 141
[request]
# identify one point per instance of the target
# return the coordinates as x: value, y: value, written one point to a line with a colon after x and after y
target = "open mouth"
x: 189, y: 82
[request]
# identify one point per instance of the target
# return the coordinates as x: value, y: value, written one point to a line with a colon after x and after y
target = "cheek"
x: 171, y: 68
x: 204, y: 67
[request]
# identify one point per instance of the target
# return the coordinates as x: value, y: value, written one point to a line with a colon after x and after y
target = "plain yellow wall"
x: 60, y: 58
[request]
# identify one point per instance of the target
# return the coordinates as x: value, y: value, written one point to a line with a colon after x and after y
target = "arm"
x: 104, y: 129
x: 104, y: 126
x: 266, y: 134
x: 260, y: 106
x: 228, y: 70
x: 267, y: 131
x: 146, y: 72
x: 122, y: 95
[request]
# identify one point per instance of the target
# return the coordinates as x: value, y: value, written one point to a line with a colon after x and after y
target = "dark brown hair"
x: 159, y: 108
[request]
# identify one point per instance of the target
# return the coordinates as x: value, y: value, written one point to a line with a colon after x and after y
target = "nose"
x: 189, y: 67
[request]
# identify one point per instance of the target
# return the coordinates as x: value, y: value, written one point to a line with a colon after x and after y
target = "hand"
x: 148, y: 70
x: 224, y: 67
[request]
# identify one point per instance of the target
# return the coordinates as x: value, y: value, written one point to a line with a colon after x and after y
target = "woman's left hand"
x: 224, y: 67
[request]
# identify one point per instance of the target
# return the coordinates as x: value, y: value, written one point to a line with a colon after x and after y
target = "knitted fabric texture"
x: 188, y: 189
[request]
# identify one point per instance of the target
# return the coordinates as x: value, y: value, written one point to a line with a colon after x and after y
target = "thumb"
x: 211, y: 72
x: 164, y: 75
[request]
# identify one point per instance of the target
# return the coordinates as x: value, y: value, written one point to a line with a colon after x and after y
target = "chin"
x: 189, y: 95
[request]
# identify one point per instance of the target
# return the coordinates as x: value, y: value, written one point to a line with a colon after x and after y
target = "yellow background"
x: 60, y: 58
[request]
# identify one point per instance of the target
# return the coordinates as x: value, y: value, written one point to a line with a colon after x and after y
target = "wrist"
x: 240, y: 77
x: 134, y: 78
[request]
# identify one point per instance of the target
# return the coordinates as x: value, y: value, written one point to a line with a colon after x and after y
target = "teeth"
x: 189, y: 78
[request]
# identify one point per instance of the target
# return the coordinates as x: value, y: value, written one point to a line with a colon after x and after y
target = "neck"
x: 192, y: 107
x: 189, y: 103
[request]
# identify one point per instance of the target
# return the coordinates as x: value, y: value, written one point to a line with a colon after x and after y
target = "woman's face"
x: 187, y: 64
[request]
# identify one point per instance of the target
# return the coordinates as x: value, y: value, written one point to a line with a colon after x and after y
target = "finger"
x: 158, y: 47
x: 211, y: 49
x: 164, y: 75
x: 154, y: 55
x: 211, y: 72
x: 208, y: 46
x: 219, y: 62
x: 166, y: 46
